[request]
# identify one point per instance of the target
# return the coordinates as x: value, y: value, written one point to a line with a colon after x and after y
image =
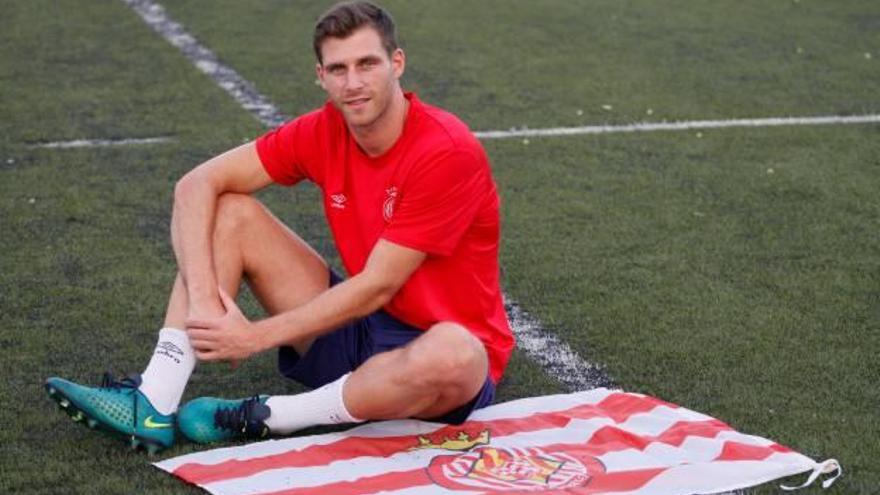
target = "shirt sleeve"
x: 283, y: 152
x: 437, y: 206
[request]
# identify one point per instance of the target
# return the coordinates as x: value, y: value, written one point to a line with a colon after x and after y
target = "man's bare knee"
x: 450, y: 355
x: 233, y: 213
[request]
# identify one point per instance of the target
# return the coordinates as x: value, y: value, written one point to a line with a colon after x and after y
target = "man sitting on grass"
x: 419, y: 328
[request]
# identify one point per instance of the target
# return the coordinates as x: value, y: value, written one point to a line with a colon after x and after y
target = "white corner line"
x: 553, y: 355
x: 97, y: 143
x: 681, y: 126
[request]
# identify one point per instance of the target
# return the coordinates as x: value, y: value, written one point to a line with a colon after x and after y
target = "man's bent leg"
x: 284, y: 273
x: 438, y: 372
x: 249, y: 241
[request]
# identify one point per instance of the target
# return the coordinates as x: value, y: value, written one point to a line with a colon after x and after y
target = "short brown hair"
x: 345, y: 17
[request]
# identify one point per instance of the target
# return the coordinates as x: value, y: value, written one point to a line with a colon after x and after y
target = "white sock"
x: 322, y: 406
x: 169, y: 369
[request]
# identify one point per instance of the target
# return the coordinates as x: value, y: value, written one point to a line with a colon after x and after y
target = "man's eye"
x: 337, y: 71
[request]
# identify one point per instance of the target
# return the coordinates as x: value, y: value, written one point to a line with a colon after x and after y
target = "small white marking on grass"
x: 554, y: 355
x: 97, y: 143
x: 242, y: 90
x: 680, y: 126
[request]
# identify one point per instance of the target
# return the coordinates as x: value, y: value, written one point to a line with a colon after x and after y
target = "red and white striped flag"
x: 599, y: 441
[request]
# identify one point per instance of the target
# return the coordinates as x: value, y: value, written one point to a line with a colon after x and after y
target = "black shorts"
x: 346, y: 348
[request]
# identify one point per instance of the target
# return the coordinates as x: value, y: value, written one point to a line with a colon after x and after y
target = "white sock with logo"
x: 165, y: 378
x: 322, y: 406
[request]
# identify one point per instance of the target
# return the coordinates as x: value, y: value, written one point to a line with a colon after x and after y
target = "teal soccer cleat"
x: 208, y: 419
x: 116, y: 406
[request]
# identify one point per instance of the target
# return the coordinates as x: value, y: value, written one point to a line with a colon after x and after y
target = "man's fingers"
x: 207, y: 355
x: 201, y: 345
x: 201, y: 322
x: 201, y: 334
x: 228, y: 302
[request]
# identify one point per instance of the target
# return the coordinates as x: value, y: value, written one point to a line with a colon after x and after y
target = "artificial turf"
x: 736, y: 272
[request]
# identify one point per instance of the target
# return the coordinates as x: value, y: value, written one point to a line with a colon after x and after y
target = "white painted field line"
x: 98, y: 143
x: 556, y: 357
x: 553, y: 354
x: 246, y: 94
x: 276, y: 116
x: 243, y: 91
x: 681, y: 126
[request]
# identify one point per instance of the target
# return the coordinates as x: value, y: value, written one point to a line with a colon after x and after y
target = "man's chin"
x: 358, y: 119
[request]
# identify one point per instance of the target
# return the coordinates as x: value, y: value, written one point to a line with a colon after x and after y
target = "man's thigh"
x: 282, y: 270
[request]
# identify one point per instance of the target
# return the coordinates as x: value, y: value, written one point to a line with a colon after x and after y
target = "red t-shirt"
x: 432, y: 191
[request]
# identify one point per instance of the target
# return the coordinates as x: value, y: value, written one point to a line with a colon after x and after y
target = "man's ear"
x: 319, y: 71
x: 398, y: 62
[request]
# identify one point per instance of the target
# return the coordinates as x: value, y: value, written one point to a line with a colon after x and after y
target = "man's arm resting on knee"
x: 233, y: 337
x: 195, y: 202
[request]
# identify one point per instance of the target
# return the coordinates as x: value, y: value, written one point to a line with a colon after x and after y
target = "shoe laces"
x: 245, y: 418
x: 129, y: 384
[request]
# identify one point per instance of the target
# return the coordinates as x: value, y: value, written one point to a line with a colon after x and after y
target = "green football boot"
x: 116, y: 406
x: 209, y: 420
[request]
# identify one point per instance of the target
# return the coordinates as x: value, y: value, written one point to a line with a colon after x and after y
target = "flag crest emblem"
x: 515, y: 469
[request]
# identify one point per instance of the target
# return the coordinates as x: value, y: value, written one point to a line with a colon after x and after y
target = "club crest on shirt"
x: 338, y: 201
x: 388, y: 205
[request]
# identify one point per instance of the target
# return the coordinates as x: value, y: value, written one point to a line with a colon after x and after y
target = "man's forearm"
x: 354, y: 298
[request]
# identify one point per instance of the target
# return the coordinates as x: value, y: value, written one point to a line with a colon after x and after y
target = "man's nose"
x: 353, y: 79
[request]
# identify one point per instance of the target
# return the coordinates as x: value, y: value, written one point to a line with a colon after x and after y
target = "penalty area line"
x: 98, y: 143
x: 681, y: 126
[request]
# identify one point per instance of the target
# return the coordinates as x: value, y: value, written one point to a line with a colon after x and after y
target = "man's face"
x: 359, y: 76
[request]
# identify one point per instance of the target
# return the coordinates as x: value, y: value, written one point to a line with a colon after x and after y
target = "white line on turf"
x: 274, y: 117
x: 553, y: 354
x: 680, y: 126
x: 246, y: 94
x: 206, y: 61
x: 96, y: 143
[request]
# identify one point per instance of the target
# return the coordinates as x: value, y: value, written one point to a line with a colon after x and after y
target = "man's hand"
x: 230, y: 337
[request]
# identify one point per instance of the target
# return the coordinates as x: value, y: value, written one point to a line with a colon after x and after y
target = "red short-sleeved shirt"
x: 432, y: 191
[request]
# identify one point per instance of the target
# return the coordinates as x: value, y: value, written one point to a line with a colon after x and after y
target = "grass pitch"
x: 735, y: 272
